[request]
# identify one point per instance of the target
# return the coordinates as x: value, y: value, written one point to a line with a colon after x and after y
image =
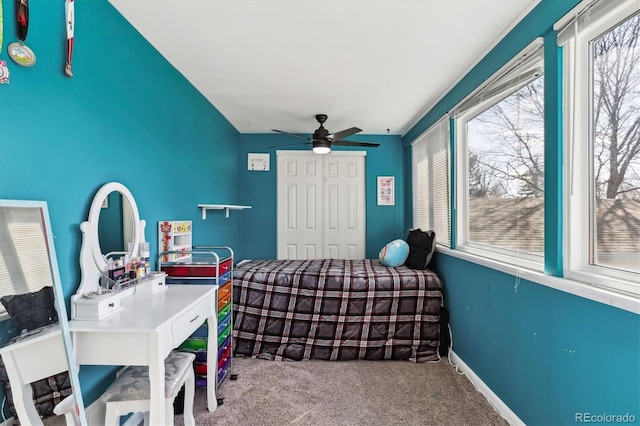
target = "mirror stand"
x: 42, y: 348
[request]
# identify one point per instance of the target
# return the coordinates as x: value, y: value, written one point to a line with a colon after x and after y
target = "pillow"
x: 421, y: 247
x: 32, y: 310
x: 394, y: 253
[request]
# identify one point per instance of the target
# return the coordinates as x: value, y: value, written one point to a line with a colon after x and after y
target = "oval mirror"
x: 115, y: 226
x: 113, y: 223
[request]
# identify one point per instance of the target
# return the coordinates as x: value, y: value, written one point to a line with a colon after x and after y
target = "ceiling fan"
x: 322, y: 139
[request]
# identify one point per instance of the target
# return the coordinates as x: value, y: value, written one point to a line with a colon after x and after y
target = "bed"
x: 335, y: 310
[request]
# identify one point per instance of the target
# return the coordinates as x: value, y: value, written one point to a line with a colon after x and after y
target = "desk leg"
x: 212, y: 362
x: 156, y: 382
x: 22, y: 394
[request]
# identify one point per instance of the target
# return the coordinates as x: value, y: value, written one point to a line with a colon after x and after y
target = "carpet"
x: 345, y: 393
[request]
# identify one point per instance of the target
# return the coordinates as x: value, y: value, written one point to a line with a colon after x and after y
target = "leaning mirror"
x: 39, y: 372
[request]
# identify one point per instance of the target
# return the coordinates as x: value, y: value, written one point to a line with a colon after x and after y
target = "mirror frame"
x: 92, y: 260
x: 59, y: 302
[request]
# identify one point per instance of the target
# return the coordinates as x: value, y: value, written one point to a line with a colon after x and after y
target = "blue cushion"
x: 394, y: 253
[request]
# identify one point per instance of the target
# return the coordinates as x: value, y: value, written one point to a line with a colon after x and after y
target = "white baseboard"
x: 500, y: 407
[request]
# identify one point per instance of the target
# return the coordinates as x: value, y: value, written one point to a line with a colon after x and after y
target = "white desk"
x: 24, y: 363
x: 144, y: 332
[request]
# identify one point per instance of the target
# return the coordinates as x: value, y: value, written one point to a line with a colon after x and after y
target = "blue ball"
x: 394, y: 253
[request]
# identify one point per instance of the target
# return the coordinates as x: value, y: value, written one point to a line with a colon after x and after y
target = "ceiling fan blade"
x: 344, y: 133
x: 292, y: 134
x: 355, y: 143
x: 290, y: 144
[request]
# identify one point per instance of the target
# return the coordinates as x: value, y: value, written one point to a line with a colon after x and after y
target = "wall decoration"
x: 386, y: 190
x: 18, y: 51
x: 258, y: 162
x: 69, y: 18
x: 4, y: 72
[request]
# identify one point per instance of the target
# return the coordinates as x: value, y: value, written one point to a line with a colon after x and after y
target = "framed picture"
x: 386, y: 190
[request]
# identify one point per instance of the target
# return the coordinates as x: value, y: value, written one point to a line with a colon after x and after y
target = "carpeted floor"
x: 328, y: 393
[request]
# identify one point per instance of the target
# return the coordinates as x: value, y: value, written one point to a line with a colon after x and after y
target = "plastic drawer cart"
x: 207, y: 265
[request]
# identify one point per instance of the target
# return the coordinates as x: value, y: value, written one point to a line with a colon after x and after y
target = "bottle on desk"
x: 145, y: 257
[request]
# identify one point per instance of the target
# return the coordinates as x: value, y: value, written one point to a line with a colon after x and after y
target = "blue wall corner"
x: 384, y: 223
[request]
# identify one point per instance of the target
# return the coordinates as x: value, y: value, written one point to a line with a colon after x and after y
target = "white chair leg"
x: 168, y: 412
x: 189, y: 395
x: 112, y: 416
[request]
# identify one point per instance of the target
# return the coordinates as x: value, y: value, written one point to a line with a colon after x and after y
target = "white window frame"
x: 578, y: 155
x: 433, y: 142
x: 498, y: 87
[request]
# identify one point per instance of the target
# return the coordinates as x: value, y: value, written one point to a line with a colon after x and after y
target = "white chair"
x: 129, y: 393
x: 67, y: 407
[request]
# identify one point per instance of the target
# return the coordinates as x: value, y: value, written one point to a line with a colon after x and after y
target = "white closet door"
x: 299, y: 205
x: 344, y: 207
x: 321, y: 205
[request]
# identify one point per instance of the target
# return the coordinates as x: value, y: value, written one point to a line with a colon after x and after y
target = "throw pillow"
x: 394, y: 253
x: 422, y: 245
x: 32, y: 310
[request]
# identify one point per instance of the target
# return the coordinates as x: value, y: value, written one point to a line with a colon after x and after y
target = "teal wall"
x: 126, y: 116
x: 384, y: 223
x: 547, y: 354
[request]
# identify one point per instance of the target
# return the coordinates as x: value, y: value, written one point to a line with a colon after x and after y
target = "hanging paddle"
x: 4, y: 71
x: 1, y: 26
x: 68, y: 8
x: 18, y: 51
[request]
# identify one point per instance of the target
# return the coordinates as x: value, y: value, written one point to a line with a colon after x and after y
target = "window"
x: 23, y: 251
x: 431, y: 201
x: 500, y: 141
x: 602, y: 97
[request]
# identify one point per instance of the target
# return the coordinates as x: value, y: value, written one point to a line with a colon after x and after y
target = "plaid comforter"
x: 335, y: 310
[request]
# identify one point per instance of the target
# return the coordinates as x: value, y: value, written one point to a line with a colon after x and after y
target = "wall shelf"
x: 225, y: 207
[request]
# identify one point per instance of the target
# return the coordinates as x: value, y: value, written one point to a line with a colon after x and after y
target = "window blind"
x: 585, y: 14
x: 431, y: 188
x: 23, y: 251
x: 517, y: 73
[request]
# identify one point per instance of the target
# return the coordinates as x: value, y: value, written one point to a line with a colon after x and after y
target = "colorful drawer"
x: 218, y: 271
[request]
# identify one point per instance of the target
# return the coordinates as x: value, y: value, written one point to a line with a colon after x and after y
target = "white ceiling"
x: 377, y: 65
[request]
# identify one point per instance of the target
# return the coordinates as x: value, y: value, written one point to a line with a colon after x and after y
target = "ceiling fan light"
x: 321, y: 146
x: 321, y: 149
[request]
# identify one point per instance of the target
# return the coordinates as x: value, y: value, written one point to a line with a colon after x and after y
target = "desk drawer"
x: 197, y: 269
x: 222, y: 372
x: 224, y: 334
x: 224, y: 358
x: 194, y: 344
x: 224, y: 312
x: 224, y: 289
x: 184, y: 326
x: 200, y: 369
x: 225, y: 345
x: 222, y: 301
x: 224, y: 324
